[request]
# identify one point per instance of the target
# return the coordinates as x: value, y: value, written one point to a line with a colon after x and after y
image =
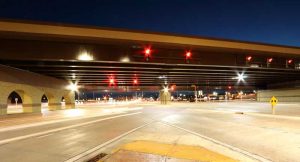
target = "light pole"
x: 16, y: 100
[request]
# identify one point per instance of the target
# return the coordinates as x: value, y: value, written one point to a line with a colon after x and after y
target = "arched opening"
x: 14, y: 103
x: 63, y: 102
x: 44, y: 102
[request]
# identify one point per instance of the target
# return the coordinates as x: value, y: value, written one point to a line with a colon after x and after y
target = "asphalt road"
x: 276, y: 139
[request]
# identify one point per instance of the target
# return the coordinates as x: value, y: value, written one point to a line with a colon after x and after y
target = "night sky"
x: 269, y: 21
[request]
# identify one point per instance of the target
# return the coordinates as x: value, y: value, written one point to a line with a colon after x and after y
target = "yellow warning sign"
x: 273, y: 101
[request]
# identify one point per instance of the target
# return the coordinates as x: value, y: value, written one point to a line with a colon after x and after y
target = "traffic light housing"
x: 147, y: 53
x: 188, y: 56
x: 269, y: 61
x: 289, y: 62
x: 248, y: 59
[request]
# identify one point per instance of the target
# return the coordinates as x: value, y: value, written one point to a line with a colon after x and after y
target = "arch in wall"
x: 52, y: 101
x: 63, y: 102
x: 15, y: 101
x: 44, y: 101
x: 66, y: 101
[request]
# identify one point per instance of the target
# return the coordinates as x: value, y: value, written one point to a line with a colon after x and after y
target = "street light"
x: 72, y: 87
x: 240, y: 77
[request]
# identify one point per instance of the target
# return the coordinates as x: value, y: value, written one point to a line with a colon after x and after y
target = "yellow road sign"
x: 273, y: 101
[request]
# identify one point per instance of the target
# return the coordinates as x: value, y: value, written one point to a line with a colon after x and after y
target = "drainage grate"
x: 97, y: 158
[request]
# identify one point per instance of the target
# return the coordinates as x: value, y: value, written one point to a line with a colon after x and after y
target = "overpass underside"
x: 97, y: 58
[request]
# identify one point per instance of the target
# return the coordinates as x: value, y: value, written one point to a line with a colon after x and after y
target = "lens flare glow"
x: 73, y: 87
x: 85, y: 56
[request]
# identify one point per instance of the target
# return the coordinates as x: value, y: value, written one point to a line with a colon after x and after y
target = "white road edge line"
x: 46, y: 135
x: 96, y: 150
x: 22, y: 126
x: 251, y: 155
x: 252, y: 114
x: 62, y: 128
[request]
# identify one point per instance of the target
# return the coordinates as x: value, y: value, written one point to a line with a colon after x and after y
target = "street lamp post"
x: 16, y: 100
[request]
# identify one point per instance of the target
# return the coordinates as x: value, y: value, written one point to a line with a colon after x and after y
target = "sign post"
x: 273, y: 102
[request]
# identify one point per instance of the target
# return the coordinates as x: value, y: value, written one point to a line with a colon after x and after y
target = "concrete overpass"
x: 42, y: 58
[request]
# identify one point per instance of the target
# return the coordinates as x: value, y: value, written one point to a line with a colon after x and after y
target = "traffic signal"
x: 248, y: 59
x: 289, y: 62
x: 147, y: 53
x: 188, y: 56
x: 135, y: 81
x: 173, y: 87
x: 111, y: 81
x: 269, y: 61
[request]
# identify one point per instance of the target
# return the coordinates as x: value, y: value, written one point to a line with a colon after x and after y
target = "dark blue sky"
x: 270, y: 21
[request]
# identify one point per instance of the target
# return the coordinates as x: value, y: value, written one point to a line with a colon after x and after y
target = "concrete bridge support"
x: 165, y: 97
x: 31, y: 87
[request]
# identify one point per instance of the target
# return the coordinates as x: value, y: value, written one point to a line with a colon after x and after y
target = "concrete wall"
x: 31, y: 87
x: 283, y: 95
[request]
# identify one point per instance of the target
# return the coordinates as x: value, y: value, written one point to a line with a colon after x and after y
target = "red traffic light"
x: 270, y: 60
x: 249, y: 58
x: 135, y: 81
x: 289, y: 61
x: 173, y: 87
x: 111, y: 81
x: 188, y: 55
x: 229, y: 87
x: 147, y: 51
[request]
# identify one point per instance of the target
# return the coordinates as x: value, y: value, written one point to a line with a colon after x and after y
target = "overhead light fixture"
x: 125, y: 59
x: 85, y: 56
x: 162, y: 77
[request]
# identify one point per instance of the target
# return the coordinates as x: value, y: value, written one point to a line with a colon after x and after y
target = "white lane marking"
x: 60, y: 129
x: 45, y: 135
x: 56, y: 121
x: 96, y: 150
x: 249, y: 154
